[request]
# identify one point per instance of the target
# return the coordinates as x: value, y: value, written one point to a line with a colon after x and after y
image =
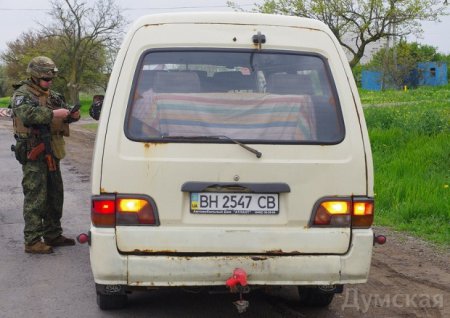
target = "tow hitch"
x: 238, y: 284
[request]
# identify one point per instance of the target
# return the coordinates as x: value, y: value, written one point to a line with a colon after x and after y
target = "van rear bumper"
x: 111, y: 267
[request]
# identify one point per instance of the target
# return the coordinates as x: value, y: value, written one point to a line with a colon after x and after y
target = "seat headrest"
x: 177, y: 82
x: 295, y: 84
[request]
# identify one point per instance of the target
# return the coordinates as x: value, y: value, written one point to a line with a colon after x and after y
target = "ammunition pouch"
x: 19, y: 127
x: 20, y: 150
x: 59, y: 127
x: 58, y: 146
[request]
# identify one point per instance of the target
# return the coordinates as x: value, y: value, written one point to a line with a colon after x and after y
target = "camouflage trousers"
x: 43, y: 201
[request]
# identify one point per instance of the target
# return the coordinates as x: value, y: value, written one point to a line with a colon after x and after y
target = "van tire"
x: 314, y: 297
x: 108, y: 302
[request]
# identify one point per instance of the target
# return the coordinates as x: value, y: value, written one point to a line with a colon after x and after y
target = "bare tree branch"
x: 83, y: 30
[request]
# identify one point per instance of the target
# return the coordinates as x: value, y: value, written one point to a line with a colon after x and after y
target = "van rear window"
x: 252, y: 96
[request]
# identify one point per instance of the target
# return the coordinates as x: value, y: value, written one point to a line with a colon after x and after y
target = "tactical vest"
x: 57, y: 126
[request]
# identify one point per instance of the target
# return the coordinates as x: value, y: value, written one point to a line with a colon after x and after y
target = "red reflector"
x: 104, y: 207
x: 322, y: 217
x: 380, y: 239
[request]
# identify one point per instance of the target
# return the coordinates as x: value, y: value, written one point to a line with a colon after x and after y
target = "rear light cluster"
x: 109, y: 210
x: 340, y: 212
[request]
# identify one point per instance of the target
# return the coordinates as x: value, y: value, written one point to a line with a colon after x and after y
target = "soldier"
x: 96, y: 107
x: 41, y: 120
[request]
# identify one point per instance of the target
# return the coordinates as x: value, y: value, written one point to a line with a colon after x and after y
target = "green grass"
x: 91, y: 127
x: 84, y: 99
x: 4, y: 102
x: 411, y: 152
x: 421, y: 95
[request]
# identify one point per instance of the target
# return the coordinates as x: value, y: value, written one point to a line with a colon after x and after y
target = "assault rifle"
x: 45, y: 145
x: 44, y: 132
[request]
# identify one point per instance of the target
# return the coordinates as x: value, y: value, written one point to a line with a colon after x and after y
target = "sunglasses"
x: 46, y: 79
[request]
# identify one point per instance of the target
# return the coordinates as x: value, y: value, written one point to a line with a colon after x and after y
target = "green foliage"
x: 80, y: 37
x: 29, y: 45
x: 359, y: 23
x: 400, y: 61
x: 357, y: 73
x: 411, y: 152
x: 406, y: 54
x: 85, y: 101
x: 4, y: 102
x: 424, y: 95
x: 447, y: 60
x: 3, y: 83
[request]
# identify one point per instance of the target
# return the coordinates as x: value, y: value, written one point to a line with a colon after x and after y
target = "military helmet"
x: 42, y: 67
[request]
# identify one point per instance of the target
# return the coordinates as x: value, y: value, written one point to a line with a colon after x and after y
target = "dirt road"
x: 408, y: 278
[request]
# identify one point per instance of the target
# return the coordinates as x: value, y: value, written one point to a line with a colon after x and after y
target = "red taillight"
x: 123, y: 209
x: 103, y: 211
x: 341, y: 212
x: 104, y: 206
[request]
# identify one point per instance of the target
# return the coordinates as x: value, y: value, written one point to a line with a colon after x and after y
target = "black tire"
x: 314, y: 297
x: 108, y: 302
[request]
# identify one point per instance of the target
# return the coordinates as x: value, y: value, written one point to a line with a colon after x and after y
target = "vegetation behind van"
x: 232, y: 150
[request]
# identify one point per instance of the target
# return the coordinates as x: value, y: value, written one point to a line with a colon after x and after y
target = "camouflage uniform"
x: 43, y: 190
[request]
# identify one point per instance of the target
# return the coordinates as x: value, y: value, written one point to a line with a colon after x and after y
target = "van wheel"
x: 314, y: 297
x: 107, y: 302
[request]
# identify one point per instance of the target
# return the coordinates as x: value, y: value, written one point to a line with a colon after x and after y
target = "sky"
x: 17, y: 17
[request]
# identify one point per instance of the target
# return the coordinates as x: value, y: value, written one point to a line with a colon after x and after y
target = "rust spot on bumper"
x: 137, y: 251
x: 281, y: 252
x: 275, y: 252
x: 259, y: 258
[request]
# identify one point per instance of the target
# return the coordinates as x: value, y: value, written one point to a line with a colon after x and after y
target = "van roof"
x: 245, y: 18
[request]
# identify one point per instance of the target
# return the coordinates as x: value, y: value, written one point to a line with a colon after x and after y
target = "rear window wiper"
x: 220, y: 137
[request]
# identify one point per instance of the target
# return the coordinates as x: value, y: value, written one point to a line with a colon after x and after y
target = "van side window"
x: 256, y: 97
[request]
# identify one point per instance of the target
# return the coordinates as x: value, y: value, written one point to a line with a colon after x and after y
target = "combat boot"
x: 60, y: 241
x: 38, y: 248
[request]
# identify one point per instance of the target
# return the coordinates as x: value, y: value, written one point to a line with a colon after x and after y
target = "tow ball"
x: 237, y: 283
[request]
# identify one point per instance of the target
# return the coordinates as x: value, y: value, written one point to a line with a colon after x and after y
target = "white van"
x: 231, y: 151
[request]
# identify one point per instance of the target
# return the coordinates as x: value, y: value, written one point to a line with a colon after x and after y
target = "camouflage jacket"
x: 26, y: 100
x: 32, y: 106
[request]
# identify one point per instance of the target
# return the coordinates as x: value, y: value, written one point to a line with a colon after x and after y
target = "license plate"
x: 234, y: 203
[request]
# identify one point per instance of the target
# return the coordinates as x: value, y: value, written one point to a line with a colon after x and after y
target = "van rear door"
x: 196, y: 119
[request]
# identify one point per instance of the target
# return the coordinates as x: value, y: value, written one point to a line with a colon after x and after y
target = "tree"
x: 83, y: 33
x: 80, y: 39
x: 31, y: 44
x: 400, y: 62
x: 3, y: 85
x: 20, y: 52
x: 357, y: 23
